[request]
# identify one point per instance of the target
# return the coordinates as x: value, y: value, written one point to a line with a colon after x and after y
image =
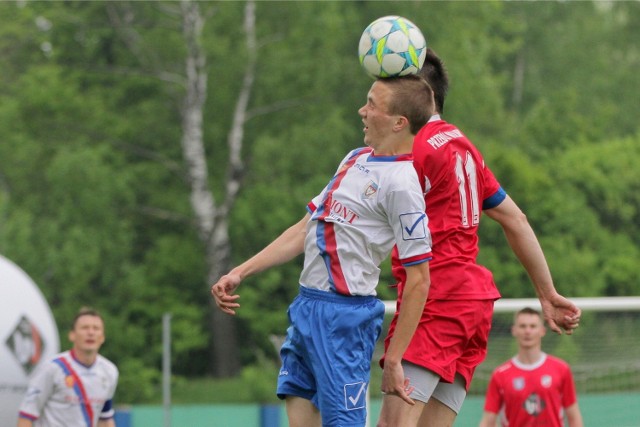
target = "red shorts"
x: 451, y: 337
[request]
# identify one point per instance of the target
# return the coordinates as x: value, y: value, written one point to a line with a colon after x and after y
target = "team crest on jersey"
x: 534, y: 405
x: 69, y: 381
x: 370, y: 190
x: 546, y: 381
x: 518, y: 383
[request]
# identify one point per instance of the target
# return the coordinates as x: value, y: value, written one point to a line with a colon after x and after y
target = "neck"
x: 529, y: 356
x: 87, y: 358
x: 395, y: 148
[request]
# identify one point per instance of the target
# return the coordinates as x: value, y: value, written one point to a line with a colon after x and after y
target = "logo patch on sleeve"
x: 413, y: 227
x: 355, y: 396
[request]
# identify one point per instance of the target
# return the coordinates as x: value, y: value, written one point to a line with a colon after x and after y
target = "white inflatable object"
x: 28, y: 336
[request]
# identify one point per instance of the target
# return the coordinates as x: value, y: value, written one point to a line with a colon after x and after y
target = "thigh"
x: 342, y: 349
x: 396, y: 412
x: 451, y: 395
x: 296, y: 373
x: 475, y: 350
x: 302, y: 413
x: 443, y: 337
x: 436, y: 414
x: 423, y: 381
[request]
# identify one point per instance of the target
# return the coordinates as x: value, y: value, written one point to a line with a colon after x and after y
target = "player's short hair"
x: 85, y: 311
x: 435, y: 73
x: 409, y: 96
x: 527, y: 310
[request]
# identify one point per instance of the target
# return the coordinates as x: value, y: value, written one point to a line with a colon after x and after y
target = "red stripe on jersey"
x: 335, y: 268
x: 331, y: 247
x: 78, y: 387
x: 416, y: 259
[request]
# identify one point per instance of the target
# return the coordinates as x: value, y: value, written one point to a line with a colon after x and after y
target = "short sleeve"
x: 39, y: 392
x: 406, y: 211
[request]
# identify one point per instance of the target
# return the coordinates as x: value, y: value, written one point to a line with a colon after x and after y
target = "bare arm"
x: 574, y: 417
x: 107, y: 423
x: 414, y: 298
x: 560, y: 313
x: 489, y: 419
x: 284, y: 248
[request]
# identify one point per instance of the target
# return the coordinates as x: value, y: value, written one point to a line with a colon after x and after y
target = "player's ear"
x: 400, y: 123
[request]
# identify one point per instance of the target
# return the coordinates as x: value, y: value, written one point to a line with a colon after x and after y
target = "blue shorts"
x: 326, y: 357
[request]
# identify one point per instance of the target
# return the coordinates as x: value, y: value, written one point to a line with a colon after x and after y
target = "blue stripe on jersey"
x: 494, y: 200
x: 322, y: 247
x: 325, y: 233
x: 420, y: 261
x: 85, y: 404
x: 396, y: 158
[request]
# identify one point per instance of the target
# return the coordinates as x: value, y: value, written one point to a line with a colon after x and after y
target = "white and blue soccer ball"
x: 392, y: 46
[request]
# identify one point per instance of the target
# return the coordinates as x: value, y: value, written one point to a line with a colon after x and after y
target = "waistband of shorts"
x: 337, y: 298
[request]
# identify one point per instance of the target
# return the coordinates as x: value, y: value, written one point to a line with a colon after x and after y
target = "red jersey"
x: 531, y: 395
x: 457, y: 186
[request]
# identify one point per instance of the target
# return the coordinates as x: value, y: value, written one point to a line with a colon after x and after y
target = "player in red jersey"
x: 534, y: 388
x: 451, y: 339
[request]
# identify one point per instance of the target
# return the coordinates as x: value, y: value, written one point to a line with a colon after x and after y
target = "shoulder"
x: 556, y: 361
x: 402, y: 178
x: 504, y: 368
x: 359, y: 152
x: 51, y: 366
x: 438, y: 133
x: 107, y: 365
x: 438, y: 139
x: 58, y: 358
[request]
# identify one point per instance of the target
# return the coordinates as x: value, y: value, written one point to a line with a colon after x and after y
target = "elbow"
x: 418, y: 281
x: 515, y: 222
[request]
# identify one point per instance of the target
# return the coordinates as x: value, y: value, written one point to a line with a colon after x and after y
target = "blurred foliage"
x: 94, y: 201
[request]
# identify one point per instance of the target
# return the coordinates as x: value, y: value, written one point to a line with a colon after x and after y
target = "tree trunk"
x: 212, y: 220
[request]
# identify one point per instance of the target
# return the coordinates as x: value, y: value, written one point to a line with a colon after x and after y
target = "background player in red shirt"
x: 451, y: 339
x: 533, y: 388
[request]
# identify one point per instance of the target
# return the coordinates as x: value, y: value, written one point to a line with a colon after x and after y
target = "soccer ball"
x: 392, y: 46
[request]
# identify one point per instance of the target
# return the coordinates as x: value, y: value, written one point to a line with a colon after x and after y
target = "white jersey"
x: 66, y: 393
x: 370, y: 205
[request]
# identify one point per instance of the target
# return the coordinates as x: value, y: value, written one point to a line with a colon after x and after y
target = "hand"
x: 394, y: 382
x: 223, y: 293
x: 561, y: 314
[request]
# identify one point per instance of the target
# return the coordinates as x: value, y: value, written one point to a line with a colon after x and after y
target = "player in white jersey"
x: 373, y: 202
x: 76, y: 388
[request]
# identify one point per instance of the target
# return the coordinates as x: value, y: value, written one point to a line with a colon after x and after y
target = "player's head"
x: 435, y: 73
x: 528, y: 328
x: 84, y: 311
x: 409, y: 95
x: 87, y: 330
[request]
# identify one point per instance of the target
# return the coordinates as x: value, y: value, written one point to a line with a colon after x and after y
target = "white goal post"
x: 506, y: 305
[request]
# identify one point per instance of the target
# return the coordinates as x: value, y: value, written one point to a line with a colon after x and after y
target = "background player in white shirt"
x: 373, y: 202
x: 76, y: 388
